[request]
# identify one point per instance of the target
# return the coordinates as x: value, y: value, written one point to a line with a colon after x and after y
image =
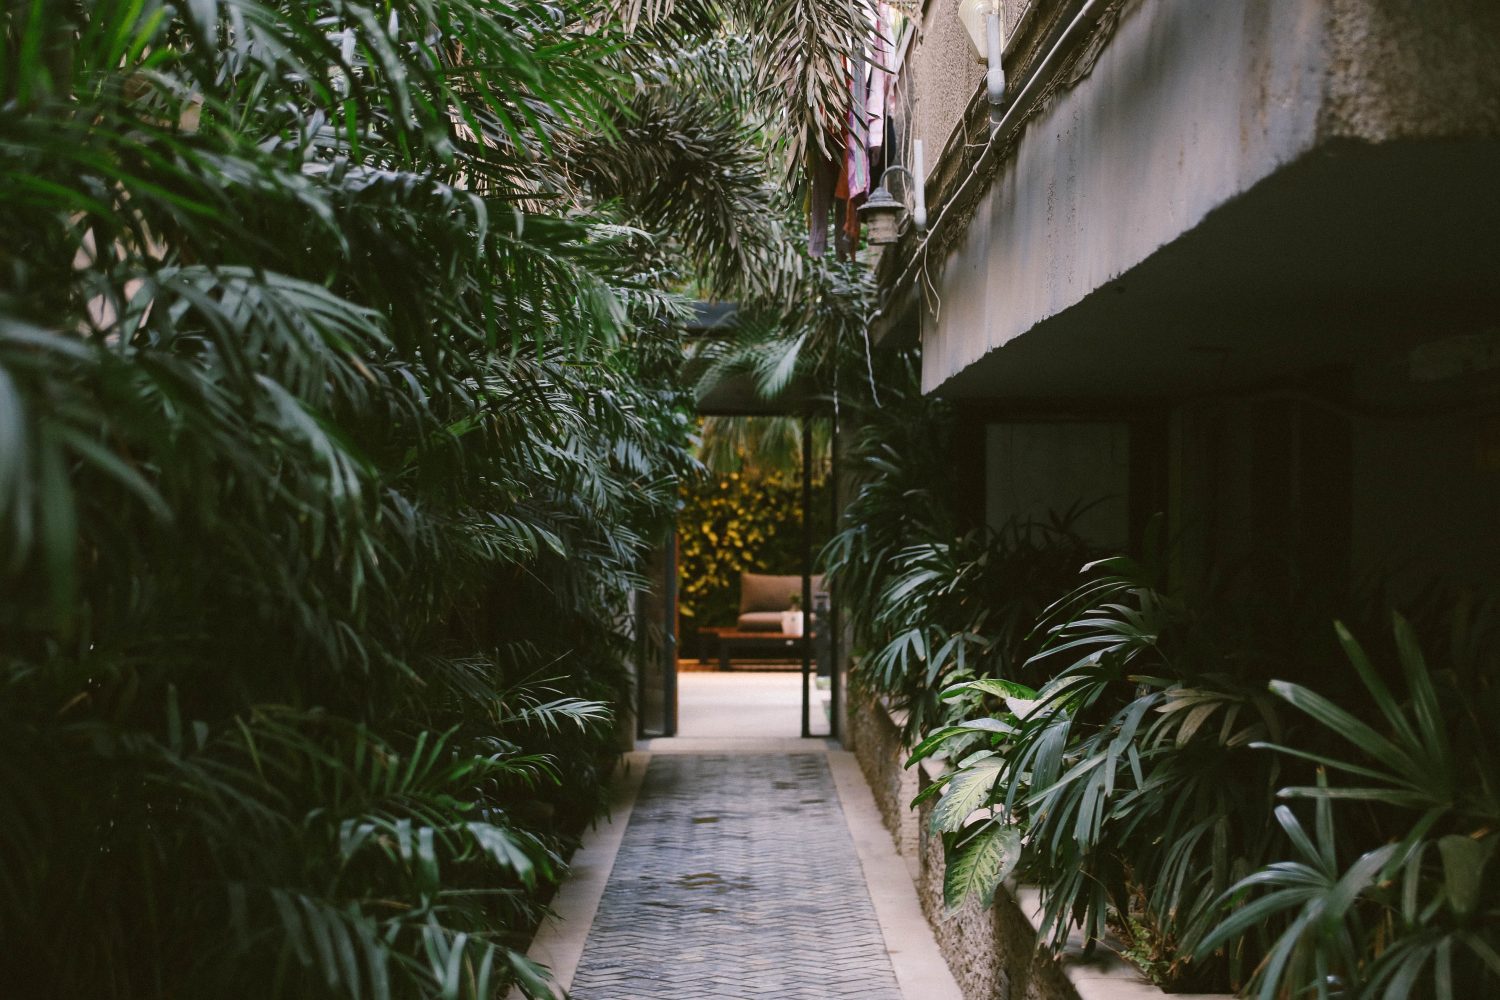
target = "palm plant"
x: 1128, y: 773
x: 932, y: 606
x: 336, y: 416
x: 728, y: 444
x: 1134, y: 789
x: 1412, y: 914
x: 798, y: 75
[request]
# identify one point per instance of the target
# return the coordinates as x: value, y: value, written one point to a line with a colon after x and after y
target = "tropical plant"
x: 1413, y: 913
x: 1134, y: 789
x: 731, y: 444
x: 1128, y: 772
x: 340, y: 401
x: 809, y: 336
x: 930, y: 605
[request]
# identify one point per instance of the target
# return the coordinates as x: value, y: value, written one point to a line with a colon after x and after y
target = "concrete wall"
x: 1189, y: 106
x: 1405, y: 69
x: 942, y: 74
x: 992, y: 953
x: 876, y: 741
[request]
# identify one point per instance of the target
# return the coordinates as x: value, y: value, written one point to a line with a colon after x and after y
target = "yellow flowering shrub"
x: 746, y: 520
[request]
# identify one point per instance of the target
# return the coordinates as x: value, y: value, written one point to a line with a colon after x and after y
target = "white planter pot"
x: 791, y: 622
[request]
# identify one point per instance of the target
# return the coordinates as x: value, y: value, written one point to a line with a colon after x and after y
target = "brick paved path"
x: 736, y: 879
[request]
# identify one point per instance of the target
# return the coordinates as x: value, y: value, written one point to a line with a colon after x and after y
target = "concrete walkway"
x: 741, y: 867
x: 739, y: 704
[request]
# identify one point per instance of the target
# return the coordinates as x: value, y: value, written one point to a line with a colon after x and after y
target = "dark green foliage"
x: 796, y: 78
x: 1140, y: 777
x: 333, y: 430
x: 1130, y: 768
x: 931, y: 606
x: 1394, y: 894
x: 340, y: 402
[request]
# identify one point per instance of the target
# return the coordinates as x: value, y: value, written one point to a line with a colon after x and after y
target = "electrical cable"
x: 987, y: 153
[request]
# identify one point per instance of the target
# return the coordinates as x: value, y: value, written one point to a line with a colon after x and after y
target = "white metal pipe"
x: 995, y: 79
x: 919, y: 188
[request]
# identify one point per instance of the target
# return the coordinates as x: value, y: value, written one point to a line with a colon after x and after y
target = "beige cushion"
x: 760, y: 621
x: 769, y: 592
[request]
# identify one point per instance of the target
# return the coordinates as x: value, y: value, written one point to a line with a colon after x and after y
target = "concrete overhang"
x: 1346, y: 260
x: 1232, y: 194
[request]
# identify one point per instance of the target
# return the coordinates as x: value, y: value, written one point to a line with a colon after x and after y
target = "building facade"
x: 1233, y: 263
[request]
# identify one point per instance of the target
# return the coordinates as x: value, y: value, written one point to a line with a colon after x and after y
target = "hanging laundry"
x: 881, y: 79
x: 824, y: 177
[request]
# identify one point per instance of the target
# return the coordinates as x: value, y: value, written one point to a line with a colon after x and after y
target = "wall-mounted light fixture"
x: 882, y: 211
x: 985, y: 23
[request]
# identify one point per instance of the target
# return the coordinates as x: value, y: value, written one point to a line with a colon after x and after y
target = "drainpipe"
x: 984, y: 20
x: 995, y: 79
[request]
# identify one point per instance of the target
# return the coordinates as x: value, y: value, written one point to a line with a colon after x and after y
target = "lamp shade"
x: 973, y: 13
x: 883, y: 214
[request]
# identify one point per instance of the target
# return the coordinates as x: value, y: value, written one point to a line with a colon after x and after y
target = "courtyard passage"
x: 740, y: 866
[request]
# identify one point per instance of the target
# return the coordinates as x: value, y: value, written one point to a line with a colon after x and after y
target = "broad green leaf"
x: 1464, y: 861
x: 935, y: 741
x: 981, y: 865
x: 967, y: 791
x: 991, y: 685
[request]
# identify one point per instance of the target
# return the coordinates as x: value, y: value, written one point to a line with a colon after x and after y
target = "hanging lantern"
x: 883, y: 215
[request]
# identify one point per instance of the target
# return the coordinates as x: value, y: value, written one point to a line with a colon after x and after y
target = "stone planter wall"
x: 875, y: 737
x: 992, y: 953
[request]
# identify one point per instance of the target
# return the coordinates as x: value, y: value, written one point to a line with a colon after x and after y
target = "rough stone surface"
x: 736, y: 878
x: 991, y: 952
x: 943, y: 77
x: 1404, y: 69
x: 876, y: 740
x: 947, y: 73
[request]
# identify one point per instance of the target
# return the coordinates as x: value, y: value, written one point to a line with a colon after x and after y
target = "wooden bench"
x: 729, y: 640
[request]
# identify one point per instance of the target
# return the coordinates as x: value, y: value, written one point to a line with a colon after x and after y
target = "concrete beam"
x: 1222, y: 169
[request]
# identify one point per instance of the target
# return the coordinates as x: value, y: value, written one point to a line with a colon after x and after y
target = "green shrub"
x: 329, y: 453
x: 1136, y: 787
x: 930, y: 605
x: 1398, y: 897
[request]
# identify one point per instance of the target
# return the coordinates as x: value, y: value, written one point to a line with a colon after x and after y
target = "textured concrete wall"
x: 1402, y: 69
x: 991, y: 952
x: 944, y: 73
x: 1189, y: 106
x: 876, y: 742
